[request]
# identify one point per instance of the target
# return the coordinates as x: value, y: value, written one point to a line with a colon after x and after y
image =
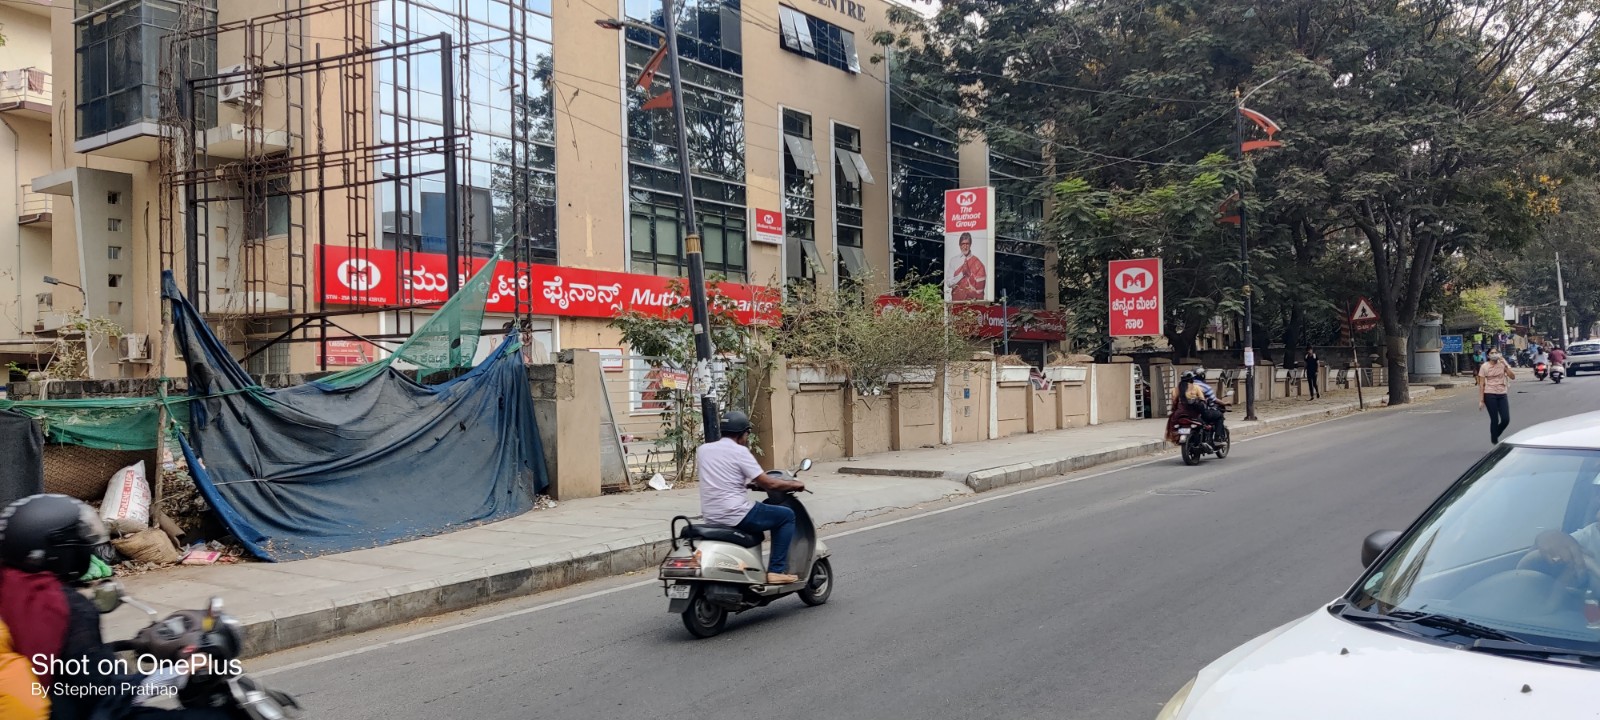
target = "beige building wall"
x: 24, y: 153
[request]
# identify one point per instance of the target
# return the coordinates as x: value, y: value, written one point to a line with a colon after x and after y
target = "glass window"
x: 818, y: 39
x: 1513, y: 548
x: 118, y: 59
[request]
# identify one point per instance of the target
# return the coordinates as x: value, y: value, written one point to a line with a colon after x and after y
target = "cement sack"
x: 150, y: 545
x: 126, y: 507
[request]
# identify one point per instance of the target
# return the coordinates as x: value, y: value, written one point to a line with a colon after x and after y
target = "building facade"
x: 305, y: 167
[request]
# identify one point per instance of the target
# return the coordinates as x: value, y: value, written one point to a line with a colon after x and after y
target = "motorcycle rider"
x: 1186, y: 404
x: 46, y: 542
x: 727, y: 470
x: 1558, y: 356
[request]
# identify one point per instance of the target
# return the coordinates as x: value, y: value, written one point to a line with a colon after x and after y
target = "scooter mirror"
x: 107, y: 596
x: 805, y: 464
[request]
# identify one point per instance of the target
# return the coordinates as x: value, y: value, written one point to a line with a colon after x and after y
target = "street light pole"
x: 699, y: 308
x: 1244, y: 259
x: 1561, y: 294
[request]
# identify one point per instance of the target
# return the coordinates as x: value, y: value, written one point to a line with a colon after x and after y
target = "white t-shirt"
x: 1589, y: 539
x: 725, y: 468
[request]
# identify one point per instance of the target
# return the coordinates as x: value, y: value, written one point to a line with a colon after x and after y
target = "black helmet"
x: 50, y: 533
x: 735, y: 422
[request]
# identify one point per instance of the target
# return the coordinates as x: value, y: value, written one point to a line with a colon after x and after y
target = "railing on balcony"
x: 26, y: 86
x: 34, y: 207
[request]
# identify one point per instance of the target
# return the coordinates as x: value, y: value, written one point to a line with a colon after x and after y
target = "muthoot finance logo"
x: 359, y: 275
x: 966, y: 200
x: 1134, y: 281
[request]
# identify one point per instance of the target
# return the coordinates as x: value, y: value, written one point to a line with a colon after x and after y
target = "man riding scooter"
x: 727, y: 469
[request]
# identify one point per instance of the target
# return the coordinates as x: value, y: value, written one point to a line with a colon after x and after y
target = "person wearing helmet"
x: 1186, y: 404
x: 46, y: 542
x: 727, y: 470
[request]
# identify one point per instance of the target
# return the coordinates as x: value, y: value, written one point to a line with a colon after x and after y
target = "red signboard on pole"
x: 969, y: 244
x: 1135, y: 297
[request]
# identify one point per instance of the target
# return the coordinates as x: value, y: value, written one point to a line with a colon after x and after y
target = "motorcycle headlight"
x: 1175, y: 705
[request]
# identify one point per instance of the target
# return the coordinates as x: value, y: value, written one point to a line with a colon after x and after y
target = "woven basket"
x: 84, y: 473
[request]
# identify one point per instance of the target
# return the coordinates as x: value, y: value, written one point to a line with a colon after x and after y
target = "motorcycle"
x: 1557, y: 371
x: 714, y: 570
x: 1198, y: 437
x: 193, y: 656
x: 1540, y: 371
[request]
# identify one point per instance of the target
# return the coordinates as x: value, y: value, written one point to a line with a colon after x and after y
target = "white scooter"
x: 713, y: 570
x: 1557, y: 371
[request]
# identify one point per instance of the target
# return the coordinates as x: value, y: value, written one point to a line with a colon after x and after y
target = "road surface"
x: 1096, y: 597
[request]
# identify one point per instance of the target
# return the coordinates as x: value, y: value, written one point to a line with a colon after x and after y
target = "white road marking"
x: 979, y: 500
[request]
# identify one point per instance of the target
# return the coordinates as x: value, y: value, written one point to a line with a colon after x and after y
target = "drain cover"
x: 1180, y: 492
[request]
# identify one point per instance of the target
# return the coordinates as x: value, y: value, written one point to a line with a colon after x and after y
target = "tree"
x: 1410, y: 125
x: 1567, y: 229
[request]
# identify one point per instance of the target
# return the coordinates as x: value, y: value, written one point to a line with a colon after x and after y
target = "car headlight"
x: 1175, y: 705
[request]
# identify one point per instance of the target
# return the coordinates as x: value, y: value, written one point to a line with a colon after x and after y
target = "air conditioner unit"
x: 134, y: 348
x: 233, y: 91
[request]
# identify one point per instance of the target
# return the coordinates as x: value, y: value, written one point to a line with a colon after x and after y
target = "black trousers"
x: 1311, y: 380
x: 1499, y: 407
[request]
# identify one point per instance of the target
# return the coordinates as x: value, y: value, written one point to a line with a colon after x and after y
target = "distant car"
x: 1485, y: 608
x: 1583, y: 356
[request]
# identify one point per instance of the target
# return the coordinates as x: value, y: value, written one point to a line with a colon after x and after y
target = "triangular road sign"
x: 1363, y: 317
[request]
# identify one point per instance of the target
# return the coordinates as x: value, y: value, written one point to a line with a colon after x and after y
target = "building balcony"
x: 35, y: 208
x: 26, y: 92
x: 235, y: 142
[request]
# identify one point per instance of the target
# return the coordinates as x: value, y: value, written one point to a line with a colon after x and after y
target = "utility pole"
x: 1561, y: 294
x: 1244, y: 259
x: 699, y: 308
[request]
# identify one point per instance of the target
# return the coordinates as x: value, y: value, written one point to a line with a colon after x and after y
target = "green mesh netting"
x: 447, y: 341
x: 102, y: 423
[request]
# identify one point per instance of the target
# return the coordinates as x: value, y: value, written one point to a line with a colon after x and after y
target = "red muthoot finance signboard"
x: 1135, y: 297
x: 384, y: 278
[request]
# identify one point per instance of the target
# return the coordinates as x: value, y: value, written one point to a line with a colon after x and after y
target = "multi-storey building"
x: 306, y: 167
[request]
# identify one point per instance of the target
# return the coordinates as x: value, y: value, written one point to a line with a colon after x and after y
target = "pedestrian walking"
x: 1313, y: 367
x: 1494, y: 381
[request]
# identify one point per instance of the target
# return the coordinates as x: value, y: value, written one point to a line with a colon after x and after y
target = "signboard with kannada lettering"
x: 384, y: 278
x: 1135, y: 297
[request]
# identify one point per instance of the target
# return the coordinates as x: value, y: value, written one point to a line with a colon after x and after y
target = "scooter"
x: 193, y: 656
x: 1557, y: 371
x: 1540, y: 370
x: 714, y: 570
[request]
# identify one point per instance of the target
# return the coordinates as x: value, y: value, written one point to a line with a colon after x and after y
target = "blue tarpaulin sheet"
x: 316, y: 469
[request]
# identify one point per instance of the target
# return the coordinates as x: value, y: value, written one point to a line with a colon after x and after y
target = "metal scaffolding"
x: 320, y: 138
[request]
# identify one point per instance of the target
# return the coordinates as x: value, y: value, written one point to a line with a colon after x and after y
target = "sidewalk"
x: 283, y: 605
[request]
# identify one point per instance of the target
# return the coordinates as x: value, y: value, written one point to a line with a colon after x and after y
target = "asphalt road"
x: 1088, y: 599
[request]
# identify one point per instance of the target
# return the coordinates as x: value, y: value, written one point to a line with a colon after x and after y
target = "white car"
x: 1583, y: 356
x: 1485, y: 608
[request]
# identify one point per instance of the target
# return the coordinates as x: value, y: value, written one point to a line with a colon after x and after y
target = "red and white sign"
x: 384, y: 278
x: 348, y: 353
x: 769, y: 226
x: 1135, y: 297
x: 1363, y: 318
x: 969, y: 244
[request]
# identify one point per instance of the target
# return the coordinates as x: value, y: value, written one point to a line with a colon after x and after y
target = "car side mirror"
x: 107, y: 596
x: 1376, y: 544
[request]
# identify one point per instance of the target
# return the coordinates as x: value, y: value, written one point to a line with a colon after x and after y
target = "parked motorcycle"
x: 195, y: 657
x: 1198, y: 437
x: 1557, y: 371
x: 1540, y: 371
x: 714, y: 570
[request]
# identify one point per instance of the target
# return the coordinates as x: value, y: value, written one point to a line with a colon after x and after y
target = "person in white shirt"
x: 727, y: 470
x: 1572, y: 559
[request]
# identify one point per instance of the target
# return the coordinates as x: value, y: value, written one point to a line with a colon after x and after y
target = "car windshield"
x: 1585, y: 349
x: 1513, y: 549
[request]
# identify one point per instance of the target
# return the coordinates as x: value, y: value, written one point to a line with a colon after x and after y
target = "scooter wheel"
x: 820, y: 585
x: 703, y: 618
